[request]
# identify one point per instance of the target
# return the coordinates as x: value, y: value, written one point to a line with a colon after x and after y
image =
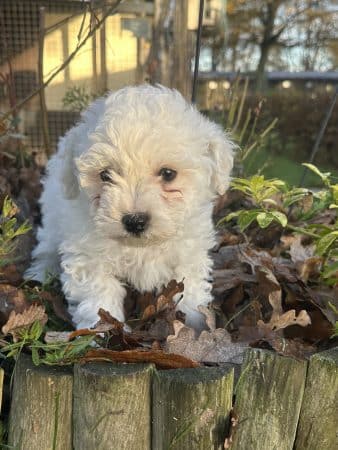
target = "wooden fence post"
x: 268, y: 396
x: 318, y: 424
x: 191, y: 408
x: 41, y: 408
x: 112, y: 406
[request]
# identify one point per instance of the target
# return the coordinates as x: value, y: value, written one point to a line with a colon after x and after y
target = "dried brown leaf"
x: 160, y: 329
x: 310, y: 268
x: 228, y: 238
x: 173, y: 288
x: 210, y: 346
x: 295, y: 348
x: 267, y: 280
x: 320, y: 328
x: 58, y: 304
x: 113, y: 329
x: 275, y: 300
x: 256, y: 259
x: 298, y: 251
x: 163, y: 302
x: 18, y: 321
x: 10, y: 274
x: 210, y: 317
x: 226, y: 279
x: 149, y: 313
x: 278, y: 322
x: 11, y: 299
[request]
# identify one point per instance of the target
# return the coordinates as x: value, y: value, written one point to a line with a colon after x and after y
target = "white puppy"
x: 128, y: 200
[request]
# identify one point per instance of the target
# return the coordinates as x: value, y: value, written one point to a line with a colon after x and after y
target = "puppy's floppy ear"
x: 220, y: 149
x: 68, y: 169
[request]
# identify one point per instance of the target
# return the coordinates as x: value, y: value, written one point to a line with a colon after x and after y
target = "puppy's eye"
x: 167, y: 174
x: 105, y: 176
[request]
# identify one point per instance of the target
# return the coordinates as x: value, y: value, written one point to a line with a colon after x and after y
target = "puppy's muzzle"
x: 136, y: 223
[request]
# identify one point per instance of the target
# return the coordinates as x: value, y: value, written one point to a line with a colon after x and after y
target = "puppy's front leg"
x: 88, y: 286
x: 197, y: 291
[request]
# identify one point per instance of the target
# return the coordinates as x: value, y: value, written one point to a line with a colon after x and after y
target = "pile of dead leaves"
x: 267, y: 293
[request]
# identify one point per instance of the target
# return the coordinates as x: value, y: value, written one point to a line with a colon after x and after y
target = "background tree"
x: 273, y: 27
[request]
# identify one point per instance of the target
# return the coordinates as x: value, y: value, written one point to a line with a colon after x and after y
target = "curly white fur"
x: 132, y: 133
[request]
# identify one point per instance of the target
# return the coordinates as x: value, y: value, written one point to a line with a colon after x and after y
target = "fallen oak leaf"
x: 164, y: 302
x: 214, y: 346
x: 18, y: 321
x: 303, y: 256
x: 278, y: 322
x: 268, y: 283
x: 113, y: 328
x: 226, y: 279
x: 275, y: 300
x: 295, y: 348
x: 298, y: 251
x: 161, y: 359
x: 158, y: 317
x: 11, y: 299
x: 310, y: 268
x: 256, y: 260
x: 210, y: 317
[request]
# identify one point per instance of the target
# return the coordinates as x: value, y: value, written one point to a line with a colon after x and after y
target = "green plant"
x: 9, y: 231
x: 292, y: 208
x: 76, y: 98
x: 260, y: 191
x: 50, y: 295
x: 51, y: 353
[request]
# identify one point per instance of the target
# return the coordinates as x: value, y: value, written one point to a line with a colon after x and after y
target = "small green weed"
x: 272, y: 201
x: 9, y: 230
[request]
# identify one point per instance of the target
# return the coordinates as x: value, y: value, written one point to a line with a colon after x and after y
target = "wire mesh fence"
x: 82, y: 48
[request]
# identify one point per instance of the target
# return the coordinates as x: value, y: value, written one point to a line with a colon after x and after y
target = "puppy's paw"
x: 194, y: 319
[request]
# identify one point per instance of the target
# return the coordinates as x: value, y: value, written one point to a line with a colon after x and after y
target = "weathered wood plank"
x: 191, y: 408
x: 112, y: 406
x: 268, y: 400
x: 41, y: 407
x: 318, y: 424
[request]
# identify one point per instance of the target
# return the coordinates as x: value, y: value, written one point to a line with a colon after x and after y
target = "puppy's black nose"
x: 136, y: 223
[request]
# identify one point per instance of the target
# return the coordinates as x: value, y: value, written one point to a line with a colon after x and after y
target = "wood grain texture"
x: 268, y: 400
x: 318, y: 424
x: 112, y: 407
x: 191, y: 408
x: 41, y: 407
